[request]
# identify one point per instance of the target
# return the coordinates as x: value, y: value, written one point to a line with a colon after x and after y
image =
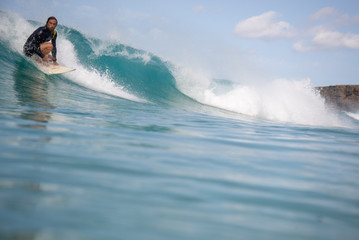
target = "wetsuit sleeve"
x: 36, y: 41
x: 54, y: 50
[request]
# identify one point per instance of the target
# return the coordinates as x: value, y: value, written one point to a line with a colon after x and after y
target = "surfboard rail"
x: 54, y: 69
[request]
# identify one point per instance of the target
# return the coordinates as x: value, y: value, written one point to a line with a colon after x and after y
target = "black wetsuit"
x: 41, y: 35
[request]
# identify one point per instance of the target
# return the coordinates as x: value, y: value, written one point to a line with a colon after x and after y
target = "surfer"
x: 39, y: 42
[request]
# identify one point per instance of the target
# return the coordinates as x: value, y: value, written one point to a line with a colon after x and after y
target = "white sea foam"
x: 353, y: 115
x: 14, y: 30
x: 284, y: 100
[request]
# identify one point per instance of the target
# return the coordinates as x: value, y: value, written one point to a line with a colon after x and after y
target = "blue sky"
x: 241, y: 40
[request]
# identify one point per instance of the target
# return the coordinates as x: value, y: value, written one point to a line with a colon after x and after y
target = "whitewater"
x: 133, y: 145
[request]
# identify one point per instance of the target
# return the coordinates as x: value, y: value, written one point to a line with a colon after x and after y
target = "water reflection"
x: 31, y: 89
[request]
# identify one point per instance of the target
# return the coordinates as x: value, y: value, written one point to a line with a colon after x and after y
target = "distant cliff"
x: 341, y: 97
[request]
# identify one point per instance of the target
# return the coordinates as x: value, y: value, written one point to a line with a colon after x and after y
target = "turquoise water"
x: 130, y: 146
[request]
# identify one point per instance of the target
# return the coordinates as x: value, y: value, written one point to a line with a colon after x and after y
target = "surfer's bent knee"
x: 46, y: 45
x: 46, y: 48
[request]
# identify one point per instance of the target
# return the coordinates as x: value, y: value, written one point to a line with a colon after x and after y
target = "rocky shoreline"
x: 341, y: 97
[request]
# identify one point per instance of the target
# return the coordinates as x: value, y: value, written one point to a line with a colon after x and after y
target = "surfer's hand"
x: 47, y: 58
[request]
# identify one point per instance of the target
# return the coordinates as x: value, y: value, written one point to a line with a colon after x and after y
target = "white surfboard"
x: 54, y: 69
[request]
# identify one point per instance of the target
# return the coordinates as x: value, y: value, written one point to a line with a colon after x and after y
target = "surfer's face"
x: 51, y: 25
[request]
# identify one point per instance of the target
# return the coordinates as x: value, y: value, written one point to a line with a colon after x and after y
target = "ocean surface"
x: 134, y: 146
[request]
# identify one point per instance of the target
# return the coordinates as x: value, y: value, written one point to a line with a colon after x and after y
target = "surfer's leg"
x: 46, y: 48
x: 28, y: 50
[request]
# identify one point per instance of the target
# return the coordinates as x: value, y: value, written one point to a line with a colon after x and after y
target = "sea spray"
x: 14, y: 30
x: 285, y: 100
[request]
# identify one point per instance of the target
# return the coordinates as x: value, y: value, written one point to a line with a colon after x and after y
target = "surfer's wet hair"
x: 51, y: 18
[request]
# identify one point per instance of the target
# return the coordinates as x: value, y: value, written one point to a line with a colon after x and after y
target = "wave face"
x: 138, y: 72
x: 132, y: 146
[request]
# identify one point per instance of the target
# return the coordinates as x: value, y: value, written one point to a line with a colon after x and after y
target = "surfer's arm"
x: 54, y: 50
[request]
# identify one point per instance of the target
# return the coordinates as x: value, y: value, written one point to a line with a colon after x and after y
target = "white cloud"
x: 332, y: 39
x: 327, y: 39
x: 325, y: 35
x: 264, y: 26
x: 324, y: 13
x: 199, y: 8
x: 334, y: 17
